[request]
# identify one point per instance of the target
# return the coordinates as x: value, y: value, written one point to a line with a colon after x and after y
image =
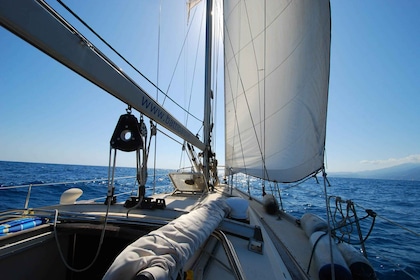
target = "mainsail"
x: 277, y: 59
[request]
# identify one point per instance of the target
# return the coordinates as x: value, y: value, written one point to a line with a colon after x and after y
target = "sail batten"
x: 276, y: 87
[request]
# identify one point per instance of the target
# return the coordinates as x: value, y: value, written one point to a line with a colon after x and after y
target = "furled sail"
x: 277, y: 60
x: 163, y: 252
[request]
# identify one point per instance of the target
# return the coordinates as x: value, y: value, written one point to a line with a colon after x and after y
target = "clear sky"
x: 50, y: 114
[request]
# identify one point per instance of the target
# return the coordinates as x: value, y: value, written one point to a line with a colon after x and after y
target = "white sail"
x: 163, y: 252
x: 277, y: 57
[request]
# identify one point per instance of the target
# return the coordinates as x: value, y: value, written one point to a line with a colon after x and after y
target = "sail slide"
x: 163, y: 252
x: 277, y: 60
x: 39, y: 25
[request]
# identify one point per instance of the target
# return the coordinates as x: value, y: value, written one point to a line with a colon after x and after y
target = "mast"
x: 207, y: 90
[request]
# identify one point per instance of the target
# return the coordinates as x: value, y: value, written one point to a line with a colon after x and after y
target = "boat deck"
x: 286, y: 249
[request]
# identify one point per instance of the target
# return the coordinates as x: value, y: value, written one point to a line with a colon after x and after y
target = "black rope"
x: 313, y: 251
x: 353, y: 222
x: 346, y: 220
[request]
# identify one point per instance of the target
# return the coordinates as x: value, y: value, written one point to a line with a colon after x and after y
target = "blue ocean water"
x: 393, y: 247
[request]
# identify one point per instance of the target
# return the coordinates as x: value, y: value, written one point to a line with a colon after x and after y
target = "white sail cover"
x: 163, y: 252
x: 277, y: 60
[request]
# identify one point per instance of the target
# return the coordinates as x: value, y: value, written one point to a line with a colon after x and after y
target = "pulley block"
x: 127, y: 135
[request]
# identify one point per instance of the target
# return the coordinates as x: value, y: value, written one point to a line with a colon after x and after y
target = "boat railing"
x: 53, y: 215
x: 64, y: 183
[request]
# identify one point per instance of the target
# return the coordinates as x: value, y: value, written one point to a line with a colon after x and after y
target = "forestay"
x: 277, y: 59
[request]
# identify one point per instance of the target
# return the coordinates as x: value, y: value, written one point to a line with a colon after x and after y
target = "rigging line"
x: 328, y: 225
x: 234, y: 100
x: 157, y: 96
x: 62, y: 183
x: 392, y: 222
x: 302, y: 181
x: 264, y: 88
x: 193, y: 77
x: 237, y: 126
x: 248, y: 106
x: 313, y: 252
x: 178, y: 59
x: 402, y: 227
x: 124, y: 59
x: 181, y: 158
x: 227, y: 77
x: 195, y: 65
x: 216, y: 49
x: 274, y: 19
x: 167, y: 135
x: 262, y: 133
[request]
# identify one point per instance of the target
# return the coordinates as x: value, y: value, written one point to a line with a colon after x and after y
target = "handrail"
x: 79, y: 217
x: 30, y: 186
x: 62, y: 183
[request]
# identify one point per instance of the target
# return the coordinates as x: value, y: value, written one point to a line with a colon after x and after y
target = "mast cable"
x: 157, y: 96
x: 394, y: 223
x: 176, y: 66
x: 328, y: 226
x: 125, y: 60
x: 194, y: 71
x: 236, y: 119
x: 195, y: 64
x: 167, y: 135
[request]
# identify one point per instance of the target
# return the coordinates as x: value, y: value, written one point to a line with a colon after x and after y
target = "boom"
x: 38, y: 24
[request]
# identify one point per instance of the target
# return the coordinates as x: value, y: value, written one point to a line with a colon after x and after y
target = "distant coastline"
x: 408, y: 172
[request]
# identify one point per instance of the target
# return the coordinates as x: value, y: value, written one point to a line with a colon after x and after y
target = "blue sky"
x: 373, y: 117
x: 50, y: 114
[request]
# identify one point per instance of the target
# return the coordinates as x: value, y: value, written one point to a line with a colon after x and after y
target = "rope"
x: 328, y: 224
x: 99, y: 246
x: 394, y: 223
x: 124, y: 59
x: 279, y: 193
x: 302, y: 181
x: 195, y: 64
x: 362, y: 241
x: 167, y: 135
x: 313, y: 252
x: 173, y: 75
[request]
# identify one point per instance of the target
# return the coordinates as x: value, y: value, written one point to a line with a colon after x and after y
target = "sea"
x: 392, y: 246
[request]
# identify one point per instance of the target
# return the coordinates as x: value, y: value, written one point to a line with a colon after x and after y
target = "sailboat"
x: 276, y: 74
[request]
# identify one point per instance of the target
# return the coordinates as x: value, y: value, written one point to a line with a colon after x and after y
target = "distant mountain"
x: 408, y: 171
